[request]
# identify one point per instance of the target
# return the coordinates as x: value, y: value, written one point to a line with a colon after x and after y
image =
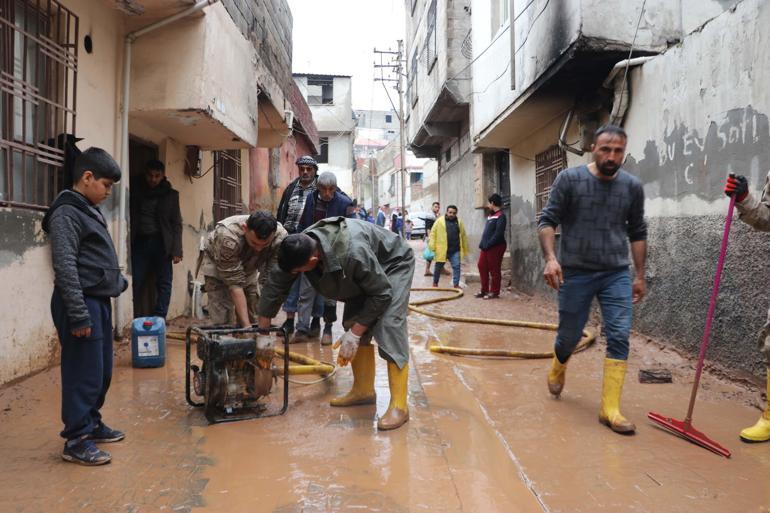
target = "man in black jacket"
x: 290, y: 213
x: 156, y: 235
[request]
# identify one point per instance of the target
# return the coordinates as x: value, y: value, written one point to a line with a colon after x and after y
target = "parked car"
x: 418, y: 223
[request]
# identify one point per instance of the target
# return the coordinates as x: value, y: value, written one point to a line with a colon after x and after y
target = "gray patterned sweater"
x: 598, y: 218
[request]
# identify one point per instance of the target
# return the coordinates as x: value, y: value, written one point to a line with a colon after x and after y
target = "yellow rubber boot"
x: 556, y: 377
x: 614, y: 375
x: 760, y: 432
x: 363, y: 380
x: 398, y: 412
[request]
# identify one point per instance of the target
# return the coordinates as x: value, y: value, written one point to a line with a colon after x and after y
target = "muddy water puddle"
x: 483, y: 436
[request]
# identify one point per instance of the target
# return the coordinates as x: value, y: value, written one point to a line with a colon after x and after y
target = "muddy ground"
x: 484, y: 436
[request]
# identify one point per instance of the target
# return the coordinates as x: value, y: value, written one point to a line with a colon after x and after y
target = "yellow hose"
x: 323, y: 369
x: 588, y: 337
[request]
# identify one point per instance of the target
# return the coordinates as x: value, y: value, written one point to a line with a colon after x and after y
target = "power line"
x: 633, y: 41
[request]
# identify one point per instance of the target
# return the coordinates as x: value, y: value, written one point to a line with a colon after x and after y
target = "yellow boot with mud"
x: 760, y: 432
x: 556, y: 377
x: 363, y: 380
x: 614, y: 375
x: 398, y: 412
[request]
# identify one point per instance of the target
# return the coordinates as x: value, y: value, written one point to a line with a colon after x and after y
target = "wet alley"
x: 484, y: 435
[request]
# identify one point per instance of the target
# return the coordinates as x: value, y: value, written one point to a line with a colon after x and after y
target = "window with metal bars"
x: 227, y: 184
x: 38, y: 86
x: 548, y: 164
x: 431, y: 40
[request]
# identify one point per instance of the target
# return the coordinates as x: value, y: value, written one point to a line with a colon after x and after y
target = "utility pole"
x: 396, y: 66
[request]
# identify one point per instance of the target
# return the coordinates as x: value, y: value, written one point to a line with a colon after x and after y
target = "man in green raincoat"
x: 370, y: 270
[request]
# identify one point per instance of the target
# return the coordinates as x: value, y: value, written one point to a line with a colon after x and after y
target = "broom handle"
x: 712, y: 306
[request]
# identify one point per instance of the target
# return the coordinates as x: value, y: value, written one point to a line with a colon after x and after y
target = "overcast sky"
x: 337, y: 37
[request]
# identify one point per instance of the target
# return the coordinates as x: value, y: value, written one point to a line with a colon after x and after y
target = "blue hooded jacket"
x: 340, y: 205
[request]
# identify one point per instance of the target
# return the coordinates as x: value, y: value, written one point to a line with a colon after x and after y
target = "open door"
x: 139, y: 153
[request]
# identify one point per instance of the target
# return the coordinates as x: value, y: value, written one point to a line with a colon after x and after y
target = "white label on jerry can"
x: 147, y: 345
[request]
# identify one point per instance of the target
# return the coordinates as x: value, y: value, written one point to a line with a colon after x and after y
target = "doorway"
x: 139, y: 154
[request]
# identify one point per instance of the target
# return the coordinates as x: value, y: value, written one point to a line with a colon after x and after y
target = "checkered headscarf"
x: 307, y: 160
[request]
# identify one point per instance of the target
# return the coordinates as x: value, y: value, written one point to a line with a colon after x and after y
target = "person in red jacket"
x: 492, y: 248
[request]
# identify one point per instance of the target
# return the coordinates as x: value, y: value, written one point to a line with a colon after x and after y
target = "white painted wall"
x: 340, y: 160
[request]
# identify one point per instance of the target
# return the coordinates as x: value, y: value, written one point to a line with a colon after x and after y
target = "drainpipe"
x: 130, y: 38
x: 620, y: 86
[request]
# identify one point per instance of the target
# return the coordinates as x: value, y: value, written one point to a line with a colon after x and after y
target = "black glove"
x: 737, y: 185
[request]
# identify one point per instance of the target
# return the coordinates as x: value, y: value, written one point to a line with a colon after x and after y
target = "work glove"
x: 348, y: 345
x: 737, y: 185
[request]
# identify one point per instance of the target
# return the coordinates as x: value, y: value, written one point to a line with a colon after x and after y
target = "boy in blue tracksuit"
x: 86, y: 276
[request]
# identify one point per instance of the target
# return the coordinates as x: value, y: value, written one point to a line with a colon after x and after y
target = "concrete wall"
x: 544, y: 32
x: 452, y: 25
x: 698, y: 112
x: 193, y: 71
x: 336, y: 122
x: 456, y: 178
x: 29, y: 342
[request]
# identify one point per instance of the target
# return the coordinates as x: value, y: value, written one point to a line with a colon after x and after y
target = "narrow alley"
x: 484, y: 435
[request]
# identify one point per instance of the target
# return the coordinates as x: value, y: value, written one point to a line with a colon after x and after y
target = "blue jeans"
x: 148, y: 253
x: 292, y: 300
x: 310, y: 304
x: 454, y: 260
x: 613, y: 290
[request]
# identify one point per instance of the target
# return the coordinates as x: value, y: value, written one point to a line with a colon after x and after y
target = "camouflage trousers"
x: 220, y: 304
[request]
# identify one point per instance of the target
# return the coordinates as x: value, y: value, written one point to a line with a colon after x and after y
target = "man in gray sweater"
x: 600, y: 208
x: 86, y: 276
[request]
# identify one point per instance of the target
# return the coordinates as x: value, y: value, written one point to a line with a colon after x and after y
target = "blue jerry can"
x: 148, y: 342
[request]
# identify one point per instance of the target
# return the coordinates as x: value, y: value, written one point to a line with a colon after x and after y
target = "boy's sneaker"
x: 315, y: 327
x: 84, y: 452
x: 326, y: 340
x: 104, y: 434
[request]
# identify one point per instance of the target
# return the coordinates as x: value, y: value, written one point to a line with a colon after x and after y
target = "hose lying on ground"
x: 588, y: 338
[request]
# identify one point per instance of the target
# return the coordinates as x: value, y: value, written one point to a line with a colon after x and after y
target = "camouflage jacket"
x: 756, y: 212
x: 228, y: 257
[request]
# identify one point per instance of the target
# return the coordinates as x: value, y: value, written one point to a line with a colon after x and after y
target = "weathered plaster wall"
x: 452, y: 26
x: 210, y: 78
x: 698, y: 111
x: 28, y: 342
x: 544, y: 33
x: 691, y: 125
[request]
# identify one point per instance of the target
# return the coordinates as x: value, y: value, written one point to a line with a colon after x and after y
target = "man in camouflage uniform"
x: 236, y: 250
x: 755, y: 213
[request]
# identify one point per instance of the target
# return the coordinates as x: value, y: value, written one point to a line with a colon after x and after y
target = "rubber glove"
x: 738, y: 186
x: 348, y: 345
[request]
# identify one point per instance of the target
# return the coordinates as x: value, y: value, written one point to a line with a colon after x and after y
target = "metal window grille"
x: 431, y: 46
x: 227, y: 184
x: 411, y: 86
x: 548, y: 164
x: 38, y: 86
